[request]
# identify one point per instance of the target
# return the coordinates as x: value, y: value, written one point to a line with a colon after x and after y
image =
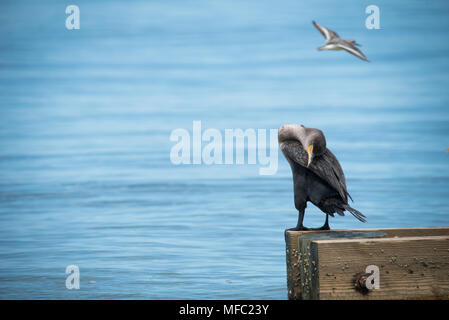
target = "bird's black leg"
x: 326, y: 224
x: 299, y: 226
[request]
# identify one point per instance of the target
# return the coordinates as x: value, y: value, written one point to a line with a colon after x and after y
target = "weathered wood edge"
x: 387, y: 239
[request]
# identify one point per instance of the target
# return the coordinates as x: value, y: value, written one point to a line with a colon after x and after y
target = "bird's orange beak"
x: 310, y: 153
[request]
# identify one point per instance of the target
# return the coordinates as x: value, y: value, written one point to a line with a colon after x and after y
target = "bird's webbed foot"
x: 325, y: 227
x: 300, y: 228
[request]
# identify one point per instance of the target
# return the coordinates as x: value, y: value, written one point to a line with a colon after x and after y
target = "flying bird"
x: 334, y: 42
x: 317, y: 174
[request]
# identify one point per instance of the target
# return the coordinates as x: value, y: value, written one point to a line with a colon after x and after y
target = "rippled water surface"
x: 86, y: 116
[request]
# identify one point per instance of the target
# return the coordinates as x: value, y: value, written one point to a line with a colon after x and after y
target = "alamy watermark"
x: 373, y: 280
x: 213, y: 147
x: 73, y: 279
x: 373, y: 20
x: 73, y: 20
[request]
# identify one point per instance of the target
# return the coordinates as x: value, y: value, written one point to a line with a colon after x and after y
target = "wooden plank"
x: 293, y: 254
x: 304, y: 282
x: 410, y: 267
x: 309, y: 260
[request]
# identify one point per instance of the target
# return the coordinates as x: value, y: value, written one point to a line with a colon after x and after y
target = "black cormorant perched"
x: 317, y: 174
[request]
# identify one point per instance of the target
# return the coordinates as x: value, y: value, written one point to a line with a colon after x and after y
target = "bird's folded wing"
x: 329, y: 158
x: 325, y: 166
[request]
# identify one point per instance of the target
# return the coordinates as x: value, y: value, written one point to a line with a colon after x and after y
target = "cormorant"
x: 317, y: 174
x: 334, y: 42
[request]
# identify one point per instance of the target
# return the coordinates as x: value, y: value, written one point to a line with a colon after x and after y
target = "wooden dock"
x: 408, y: 263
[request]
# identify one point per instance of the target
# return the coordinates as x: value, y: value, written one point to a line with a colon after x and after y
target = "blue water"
x: 86, y: 115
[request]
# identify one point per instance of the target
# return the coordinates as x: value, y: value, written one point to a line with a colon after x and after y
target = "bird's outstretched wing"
x: 325, y: 166
x: 353, y: 50
x: 327, y: 33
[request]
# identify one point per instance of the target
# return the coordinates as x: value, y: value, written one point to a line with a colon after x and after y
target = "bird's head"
x: 312, y: 140
x: 315, y: 144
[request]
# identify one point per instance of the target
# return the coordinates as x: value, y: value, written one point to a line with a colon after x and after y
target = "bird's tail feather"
x: 355, y: 213
x: 347, y: 193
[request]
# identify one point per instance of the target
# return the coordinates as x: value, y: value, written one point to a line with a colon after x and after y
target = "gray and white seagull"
x: 334, y: 42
